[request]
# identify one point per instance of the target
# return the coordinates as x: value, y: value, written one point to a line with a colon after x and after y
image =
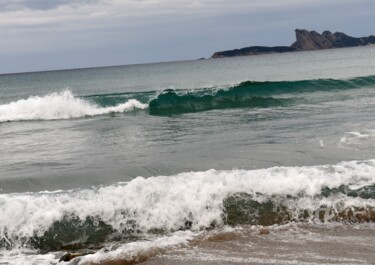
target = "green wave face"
x: 305, y: 86
x: 170, y: 103
x: 250, y: 95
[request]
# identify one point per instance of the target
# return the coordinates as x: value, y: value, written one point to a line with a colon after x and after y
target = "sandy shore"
x: 290, y: 244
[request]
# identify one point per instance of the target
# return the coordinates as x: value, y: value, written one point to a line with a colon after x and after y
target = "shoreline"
x: 286, y: 244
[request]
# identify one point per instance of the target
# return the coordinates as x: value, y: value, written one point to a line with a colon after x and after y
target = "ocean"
x: 265, y: 159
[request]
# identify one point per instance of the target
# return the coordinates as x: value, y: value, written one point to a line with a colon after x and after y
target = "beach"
x: 263, y: 159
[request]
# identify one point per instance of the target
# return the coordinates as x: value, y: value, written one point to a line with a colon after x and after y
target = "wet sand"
x: 305, y: 244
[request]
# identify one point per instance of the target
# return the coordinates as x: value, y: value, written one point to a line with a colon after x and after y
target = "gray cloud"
x: 16, y: 5
x: 108, y: 32
x: 223, y: 5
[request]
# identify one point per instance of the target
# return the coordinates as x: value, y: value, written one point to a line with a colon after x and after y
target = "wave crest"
x: 250, y: 94
x: 191, y: 200
x: 62, y: 105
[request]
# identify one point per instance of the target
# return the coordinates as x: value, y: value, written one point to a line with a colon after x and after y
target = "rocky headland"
x: 305, y: 41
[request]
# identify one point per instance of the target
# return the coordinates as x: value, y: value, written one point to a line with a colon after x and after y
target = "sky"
x: 37, y: 35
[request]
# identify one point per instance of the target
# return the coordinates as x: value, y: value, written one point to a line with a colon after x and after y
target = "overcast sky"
x: 59, y: 34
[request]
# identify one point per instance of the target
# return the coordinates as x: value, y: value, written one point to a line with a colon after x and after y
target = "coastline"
x: 324, y: 243
x: 305, y: 41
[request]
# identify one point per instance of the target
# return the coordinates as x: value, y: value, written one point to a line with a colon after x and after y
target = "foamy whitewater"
x: 180, y: 163
x: 168, y: 202
x: 56, y: 106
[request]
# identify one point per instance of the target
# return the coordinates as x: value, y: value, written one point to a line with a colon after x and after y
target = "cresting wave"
x: 57, y: 106
x: 250, y: 94
x: 188, y: 201
x: 65, y: 105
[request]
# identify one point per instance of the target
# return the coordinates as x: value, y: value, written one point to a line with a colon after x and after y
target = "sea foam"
x: 62, y: 105
x: 136, y: 252
x: 168, y: 203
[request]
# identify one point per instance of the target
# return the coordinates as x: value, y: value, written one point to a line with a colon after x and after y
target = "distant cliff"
x: 306, y: 41
x: 254, y: 50
x: 312, y: 40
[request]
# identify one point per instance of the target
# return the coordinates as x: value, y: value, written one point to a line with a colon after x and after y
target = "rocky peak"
x: 328, y: 36
x: 305, y: 41
x: 311, y: 40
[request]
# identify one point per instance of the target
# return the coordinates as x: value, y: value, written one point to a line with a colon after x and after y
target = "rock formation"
x: 311, y: 40
x: 305, y: 41
x: 254, y: 50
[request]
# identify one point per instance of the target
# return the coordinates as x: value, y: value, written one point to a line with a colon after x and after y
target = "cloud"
x: 33, y: 15
x: 16, y: 5
x: 153, y: 30
x: 159, y: 5
x: 46, y: 13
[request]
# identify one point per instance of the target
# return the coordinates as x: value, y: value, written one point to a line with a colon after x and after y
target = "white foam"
x: 26, y: 257
x: 129, y: 252
x: 135, y: 250
x: 55, y: 106
x: 353, y: 137
x: 168, y: 202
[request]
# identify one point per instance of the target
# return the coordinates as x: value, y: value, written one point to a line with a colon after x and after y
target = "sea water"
x: 246, y: 160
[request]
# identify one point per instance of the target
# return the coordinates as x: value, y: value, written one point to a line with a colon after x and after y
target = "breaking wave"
x: 249, y: 94
x: 56, y: 106
x: 188, y: 201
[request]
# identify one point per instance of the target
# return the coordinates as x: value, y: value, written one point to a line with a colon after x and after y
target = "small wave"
x: 249, y: 94
x: 169, y: 102
x: 56, y: 106
x: 137, y: 252
x: 26, y: 257
x: 194, y: 201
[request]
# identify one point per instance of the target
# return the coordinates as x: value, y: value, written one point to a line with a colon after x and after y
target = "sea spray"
x: 62, y: 105
x: 192, y: 200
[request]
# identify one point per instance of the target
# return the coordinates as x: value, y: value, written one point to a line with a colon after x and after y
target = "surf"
x: 59, y: 106
x: 249, y: 94
x: 192, y: 201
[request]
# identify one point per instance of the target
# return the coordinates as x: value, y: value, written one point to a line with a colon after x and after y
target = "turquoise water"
x: 90, y: 157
